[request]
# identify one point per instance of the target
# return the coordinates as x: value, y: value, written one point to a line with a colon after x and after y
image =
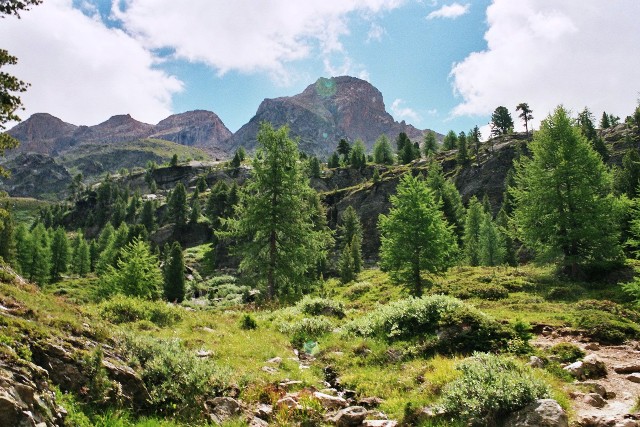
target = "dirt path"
x: 625, y: 392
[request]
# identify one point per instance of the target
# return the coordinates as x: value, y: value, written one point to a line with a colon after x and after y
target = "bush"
x: 307, y: 329
x: 321, y: 306
x: 489, y: 388
x: 457, y: 326
x: 605, y: 327
x: 248, y: 322
x: 357, y: 289
x: 178, y: 381
x: 567, y: 352
x: 122, y: 309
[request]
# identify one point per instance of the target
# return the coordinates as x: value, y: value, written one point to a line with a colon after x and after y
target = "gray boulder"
x: 541, y: 413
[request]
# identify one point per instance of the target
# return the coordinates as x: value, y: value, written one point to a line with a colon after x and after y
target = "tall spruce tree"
x: 358, y: 155
x: 430, y: 144
x: 450, y: 141
x: 492, y: 249
x: 275, y: 235
x: 448, y: 197
x: 462, y: 158
x: 137, y: 272
x: 564, y: 206
x: 501, y: 121
x: 415, y: 236
x: 177, y: 205
x: 174, y: 282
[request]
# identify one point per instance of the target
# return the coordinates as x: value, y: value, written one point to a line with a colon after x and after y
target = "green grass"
x: 24, y: 209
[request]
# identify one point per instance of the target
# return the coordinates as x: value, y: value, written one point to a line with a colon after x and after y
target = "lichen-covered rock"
x: 349, y: 417
x: 541, y: 413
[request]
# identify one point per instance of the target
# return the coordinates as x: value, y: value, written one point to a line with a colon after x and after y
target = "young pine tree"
x: 137, y: 273
x: 491, y: 243
x: 40, y: 256
x: 430, y: 144
x: 382, y: 151
x: 177, y: 206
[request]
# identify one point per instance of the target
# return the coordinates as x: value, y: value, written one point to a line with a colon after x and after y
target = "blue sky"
x: 439, y: 64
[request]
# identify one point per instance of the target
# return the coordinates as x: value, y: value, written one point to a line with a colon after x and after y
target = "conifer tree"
x: 174, y: 283
x: 137, y: 273
x: 358, y: 156
x: 350, y: 238
x: 60, y: 254
x: 491, y: 243
x: 7, y: 236
x: 382, y: 152
x: 94, y: 255
x: 430, y: 144
x: 604, y: 121
x: 23, y: 249
x: 462, y: 157
x: 474, y: 139
x: 356, y: 253
x: 273, y: 228
x: 344, y: 148
x: 345, y: 265
x: 566, y: 184
x: 177, y: 206
x: 81, y: 261
x: 217, y: 203
x: 415, y: 236
x: 450, y: 141
x: 148, y: 215
x: 502, y: 221
x: 235, y: 162
x: 448, y: 197
x: 174, y: 161
x: 194, y: 214
x: 314, y: 167
x: 501, y: 121
x: 40, y: 256
x: 525, y: 114
x: 472, y: 224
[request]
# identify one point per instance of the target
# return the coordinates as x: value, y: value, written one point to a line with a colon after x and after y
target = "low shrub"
x: 489, y: 388
x: 321, y: 306
x: 457, y: 326
x: 178, y: 381
x: 248, y: 322
x: 605, y: 327
x: 567, y: 352
x: 123, y: 309
x: 307, y: 329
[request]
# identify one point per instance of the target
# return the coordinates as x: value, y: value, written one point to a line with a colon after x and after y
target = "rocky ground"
x: 603, y: 398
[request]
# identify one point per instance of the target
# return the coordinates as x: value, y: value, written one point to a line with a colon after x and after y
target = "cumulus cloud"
x: 547, y: 53
x: 400, y: 112
x: 451, y: 11
x: 244, y: 35
x: 82, y: 71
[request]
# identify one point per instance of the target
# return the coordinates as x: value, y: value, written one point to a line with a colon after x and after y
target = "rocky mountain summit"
x: 46, y: 134
x: 325, y: 112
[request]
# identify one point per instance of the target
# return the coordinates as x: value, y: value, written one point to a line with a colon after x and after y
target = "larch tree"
x: 430, y: 143
x: 358, y: 155
x: 564, y: 208
x: 137, y: 273
x: 450, y: 141
x: 447, y: 197
x: 273, y: 228
x: 350, y: 239
x: 472, y: 225
x: 177, y: 206
x: 382, y: 151
x: 492, y: 245
x: 474, y: 140
x: 415, y: 237
x: 462, y: 158
x: 60, y: 254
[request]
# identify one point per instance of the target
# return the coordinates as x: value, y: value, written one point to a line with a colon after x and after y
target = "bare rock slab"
x: 541, y: 413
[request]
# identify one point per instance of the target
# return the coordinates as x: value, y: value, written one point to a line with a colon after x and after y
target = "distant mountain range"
x: 326, y: 111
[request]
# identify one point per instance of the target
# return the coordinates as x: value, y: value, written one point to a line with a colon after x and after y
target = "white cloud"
x: 375, y: 32
x: 82, y: 71
x: 399, y: 112
x: 547, y: 53
x: 451, y: 11
x: 244, y: 35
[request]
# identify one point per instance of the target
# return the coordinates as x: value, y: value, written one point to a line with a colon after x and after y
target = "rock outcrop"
x: 194, y: 128
x: 35, y: 175
x: 325, y: 112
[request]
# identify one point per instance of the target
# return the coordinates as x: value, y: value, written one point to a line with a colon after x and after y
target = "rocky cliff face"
x: 36, y: 175
x: 46, y: 134
x: 326, y: 111
x: 195, y: 128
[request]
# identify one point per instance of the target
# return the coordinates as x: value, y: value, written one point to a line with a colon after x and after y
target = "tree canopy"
x: 501, y: 121
x: 273, y: 225
x: 415, y: 236
x: 564, y: 208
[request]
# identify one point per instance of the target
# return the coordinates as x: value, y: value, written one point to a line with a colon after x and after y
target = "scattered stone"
x: 536, y: 362
x: 594, y: 399
x: 287, y: 401
x: 541, y: 413
x: 132, y: 387
x: 596, y: 388
x: 379, y: 423
x: 330, y: 402
x: 204, y: 353
x: 264, y: 411
x: 610, y: 395
x: 269, y: 369
x: 370, y: 402
x: 350, y: 417
x: 627, y: 369
x: 576, y: 369
x: 275, y: 360
x: 287, y: 385
x: 258, y: 422
x: 634, y: 378
x: 547, y: 330
x: 593, y: 367
x: 222, y: 408
x: 592, y: 346
x: 431, y: 412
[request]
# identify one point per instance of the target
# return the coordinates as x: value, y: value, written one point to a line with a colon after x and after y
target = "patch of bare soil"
x: 619, y: 386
